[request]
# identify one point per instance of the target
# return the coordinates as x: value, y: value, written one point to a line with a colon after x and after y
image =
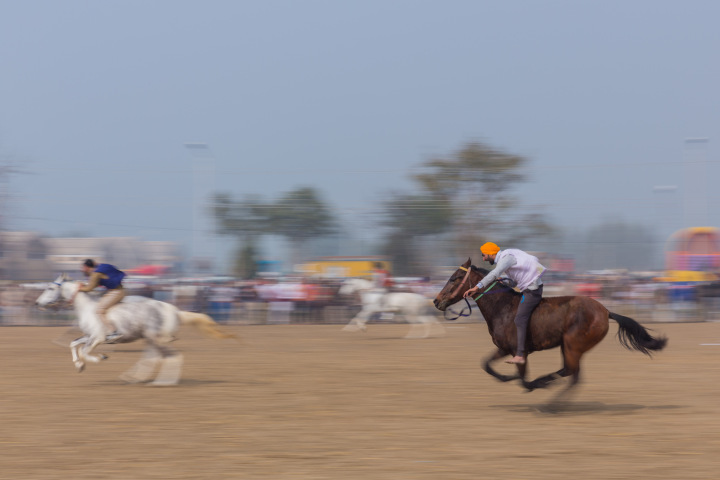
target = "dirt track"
x: 313, y: 402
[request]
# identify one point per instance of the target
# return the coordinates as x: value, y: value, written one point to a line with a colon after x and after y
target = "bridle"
x: 468, y: 308
x: 61, y: 301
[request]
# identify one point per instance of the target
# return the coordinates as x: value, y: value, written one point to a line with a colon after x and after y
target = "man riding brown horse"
x: 525, y: 271
x: 573, y: 323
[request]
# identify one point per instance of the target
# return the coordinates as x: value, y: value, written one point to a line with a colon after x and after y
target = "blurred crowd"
x: 313, y: 300
x: 226, y: 300
x: 642, y: 296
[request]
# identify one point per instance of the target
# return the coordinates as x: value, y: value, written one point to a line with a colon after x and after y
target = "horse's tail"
x: 204, y: 323
x: 634, y: 336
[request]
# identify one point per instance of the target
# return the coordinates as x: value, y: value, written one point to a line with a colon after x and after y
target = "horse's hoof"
x: 103, y: 356
x: 161, y: 383
x: 130, y: 379
x: 79, y: 367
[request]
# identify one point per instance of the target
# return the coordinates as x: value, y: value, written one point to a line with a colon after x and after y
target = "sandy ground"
x: 313, y: 402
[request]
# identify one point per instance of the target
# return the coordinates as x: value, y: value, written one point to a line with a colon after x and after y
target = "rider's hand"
x: 471, y: 291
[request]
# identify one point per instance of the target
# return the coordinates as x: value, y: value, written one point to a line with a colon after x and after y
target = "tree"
x: 471, y: 192
x: 409, y: 219
x: 245, y: 265
x: 298, y: 216
x: 247, y: 220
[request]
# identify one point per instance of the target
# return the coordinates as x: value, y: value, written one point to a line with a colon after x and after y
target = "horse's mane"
x: 479, y: 270
x: 484, y: 272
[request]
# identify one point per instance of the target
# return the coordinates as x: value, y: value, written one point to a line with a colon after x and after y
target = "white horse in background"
x: 413, y: 307
x: 135, y: 318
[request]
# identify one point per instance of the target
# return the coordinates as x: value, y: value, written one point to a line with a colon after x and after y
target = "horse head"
x: 458, y: 283
x: 351, y: 286
x: 346, y: 289
x: 55, y: 293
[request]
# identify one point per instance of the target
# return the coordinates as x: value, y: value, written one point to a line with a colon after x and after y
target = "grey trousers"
x: 530, y: 300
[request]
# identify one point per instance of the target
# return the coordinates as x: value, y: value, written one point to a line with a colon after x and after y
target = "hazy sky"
x: 97, y: 99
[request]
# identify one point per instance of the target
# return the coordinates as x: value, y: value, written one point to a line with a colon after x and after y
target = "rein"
x: 467, y: 302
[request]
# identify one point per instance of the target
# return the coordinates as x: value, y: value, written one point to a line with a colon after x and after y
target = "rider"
x: 381, y: 277
x: 110, y: 277
x: 526, y: 271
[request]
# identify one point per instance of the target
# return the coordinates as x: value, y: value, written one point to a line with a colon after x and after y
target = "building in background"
x: 27, y: 256
x: 24, y: 256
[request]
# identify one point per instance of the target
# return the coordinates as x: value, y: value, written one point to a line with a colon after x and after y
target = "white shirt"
x: 521, y: 267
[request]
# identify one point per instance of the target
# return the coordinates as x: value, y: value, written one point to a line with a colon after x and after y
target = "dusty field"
x: 313, y: 402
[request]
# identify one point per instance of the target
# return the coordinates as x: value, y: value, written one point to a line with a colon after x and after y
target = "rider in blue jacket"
x: 108, y: 276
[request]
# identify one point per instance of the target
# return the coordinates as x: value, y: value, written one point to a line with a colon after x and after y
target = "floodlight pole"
x: 203, y: 245
x: 695, y: 199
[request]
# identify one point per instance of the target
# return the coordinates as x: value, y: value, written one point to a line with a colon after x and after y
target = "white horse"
x: 413, y: 307
x: 135, y: 317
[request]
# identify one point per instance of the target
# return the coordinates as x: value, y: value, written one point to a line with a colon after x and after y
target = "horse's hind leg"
x: 571, y: 369
x: 144, y: 369
x: 428, y: 327
x: 545, y: 380
x: 358, y: 322
x: 436, y: 328
x: 170, y: 367
x: 418, y: 327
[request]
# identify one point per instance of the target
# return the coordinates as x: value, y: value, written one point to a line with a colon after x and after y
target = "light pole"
x: 203, y: 245
x: 666, y: 211
x: 695, y: 211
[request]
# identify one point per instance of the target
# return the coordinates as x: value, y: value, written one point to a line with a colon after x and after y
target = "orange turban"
x: 489, y: 249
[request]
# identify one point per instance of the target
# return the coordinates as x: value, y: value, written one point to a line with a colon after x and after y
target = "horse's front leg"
x: 497, y: 355
x: 76, y: 358
x: 87, y: 350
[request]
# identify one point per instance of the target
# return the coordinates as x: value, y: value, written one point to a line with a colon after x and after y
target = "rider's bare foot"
x: 517, y: 360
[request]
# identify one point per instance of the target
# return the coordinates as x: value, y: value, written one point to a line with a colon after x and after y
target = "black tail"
x: 634, y: 336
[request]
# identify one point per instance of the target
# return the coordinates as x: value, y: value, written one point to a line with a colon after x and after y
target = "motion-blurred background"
x: 282, y: 142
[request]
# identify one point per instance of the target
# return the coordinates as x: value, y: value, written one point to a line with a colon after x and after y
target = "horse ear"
x: 467, y: 263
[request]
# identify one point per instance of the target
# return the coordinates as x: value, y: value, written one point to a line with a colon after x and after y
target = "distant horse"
x: 135, y: 318
x: 574, y: 323
x: 412, y: 307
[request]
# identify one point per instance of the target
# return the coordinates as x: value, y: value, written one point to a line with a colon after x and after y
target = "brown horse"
x: 574, y: 323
